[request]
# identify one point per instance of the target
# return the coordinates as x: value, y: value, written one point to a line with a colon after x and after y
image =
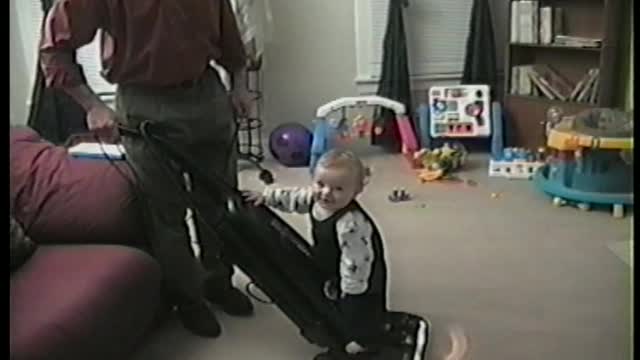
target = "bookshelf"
x: 561, y: 66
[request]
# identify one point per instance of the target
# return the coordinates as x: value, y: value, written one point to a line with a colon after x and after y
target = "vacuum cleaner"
x: 278, y: 261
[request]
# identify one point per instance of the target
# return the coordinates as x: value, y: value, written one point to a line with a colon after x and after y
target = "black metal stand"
x: 249, y: 129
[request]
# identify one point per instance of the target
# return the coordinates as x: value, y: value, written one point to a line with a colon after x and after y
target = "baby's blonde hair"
x: 345, y: 159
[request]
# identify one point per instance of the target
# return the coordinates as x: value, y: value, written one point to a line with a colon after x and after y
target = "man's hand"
x: 241, y: 99
x: 101, y: 120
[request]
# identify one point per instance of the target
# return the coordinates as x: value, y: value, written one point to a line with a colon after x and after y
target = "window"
x: 89, y: 57
x: 30, y: 18
x: 27, y: 20
x: 436, y: 37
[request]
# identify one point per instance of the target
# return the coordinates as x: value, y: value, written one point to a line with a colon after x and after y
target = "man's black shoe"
x: 198, y: 317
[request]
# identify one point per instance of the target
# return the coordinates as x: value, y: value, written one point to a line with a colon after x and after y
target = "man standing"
x: 159, y: 52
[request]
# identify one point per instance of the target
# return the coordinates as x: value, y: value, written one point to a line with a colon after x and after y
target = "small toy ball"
x: 290, y: 144
x: 377, y: 130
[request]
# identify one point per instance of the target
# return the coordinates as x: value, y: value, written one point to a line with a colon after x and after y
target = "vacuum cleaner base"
x: 414, y: 335
x: 407, y: 338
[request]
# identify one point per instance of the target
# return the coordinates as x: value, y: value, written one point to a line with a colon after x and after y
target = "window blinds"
x: 89, y: 57
x: 436, y: 37
x: 30, y: 18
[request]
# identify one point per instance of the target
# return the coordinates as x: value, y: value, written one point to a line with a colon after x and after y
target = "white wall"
x: 312, y: 59
x: 23, y: 37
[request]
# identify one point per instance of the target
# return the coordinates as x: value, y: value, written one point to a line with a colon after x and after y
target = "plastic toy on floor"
x: 329, y: 134
x: 289, y: 144
x: 516, y: 163
x: 361, y: 127
x: 511, y: 163
x: 399, y: 195
x: 441, y: 162
x: 592, y: 163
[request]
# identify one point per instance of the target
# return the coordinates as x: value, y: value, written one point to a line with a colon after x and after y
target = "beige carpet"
x: 525, y: 280
x: 623, y: 250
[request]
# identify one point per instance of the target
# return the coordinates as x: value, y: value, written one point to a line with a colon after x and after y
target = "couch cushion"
x: 20, y: 245
x: 61, y: 199
x: 82, y: 302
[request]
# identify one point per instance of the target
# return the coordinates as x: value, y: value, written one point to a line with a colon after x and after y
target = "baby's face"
x: 334, y: 188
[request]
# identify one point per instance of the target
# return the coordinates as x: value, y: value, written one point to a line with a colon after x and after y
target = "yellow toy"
x: 440, y: 162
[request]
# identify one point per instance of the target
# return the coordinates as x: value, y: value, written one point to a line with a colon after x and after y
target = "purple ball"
x: 290, y: 144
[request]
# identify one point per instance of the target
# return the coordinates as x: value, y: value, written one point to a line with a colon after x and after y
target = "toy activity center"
x: 459, y: 111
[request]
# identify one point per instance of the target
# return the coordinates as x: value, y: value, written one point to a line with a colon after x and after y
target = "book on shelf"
x: 560, y: 86
x: 576, y: 41
x: 524, y: 22
x: 515, y: 79
x: 558, y: 21
x: 536, y: 92
x: 584, y: 84
x: 595, y: 91
x: 525, y: 86
x: 579, y: 86
x: 542, y: 85
x: 521, y: 82
x: 515, y: 18
x: 546, y: 25
x: 535, y: 22
x: 527, y: 14
x: 585, y: 92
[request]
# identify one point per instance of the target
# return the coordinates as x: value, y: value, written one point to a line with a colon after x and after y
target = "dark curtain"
x: 480, y: 59
x: 54, y: 114
x: 395, y: 81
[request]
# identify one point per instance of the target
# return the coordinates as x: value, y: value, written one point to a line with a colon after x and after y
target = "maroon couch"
x: 90, y: 291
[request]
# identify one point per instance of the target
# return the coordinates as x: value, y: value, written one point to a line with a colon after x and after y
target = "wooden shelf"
x: 553, y: 46
x: 551, y: 102
x: 599, y: 19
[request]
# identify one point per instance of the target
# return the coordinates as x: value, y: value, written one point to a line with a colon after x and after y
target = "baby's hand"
x: 353, y: 348
x: 253, y: 197
x: 316, y: 193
